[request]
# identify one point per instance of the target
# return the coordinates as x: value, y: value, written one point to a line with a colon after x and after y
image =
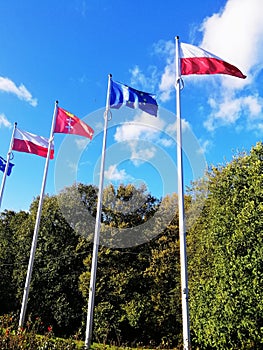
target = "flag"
x: 195, y: 60
x: 26, y: 142
x: 121, y: 94
x: 3, y: 165
x: 68, y: 123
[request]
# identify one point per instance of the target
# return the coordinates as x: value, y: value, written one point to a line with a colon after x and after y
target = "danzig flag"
x: 26, y: 142
x: 68, y: 123
x: 121, y: 94
x: 195, y: 60
x: 3, y: 165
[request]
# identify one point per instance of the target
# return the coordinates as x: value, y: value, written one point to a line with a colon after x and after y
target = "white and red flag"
x: 195, y: 60
x: 29, y: 143
x: 68, y: 123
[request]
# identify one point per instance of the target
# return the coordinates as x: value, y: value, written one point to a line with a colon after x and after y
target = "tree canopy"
x: 226, y: 257
x: 138, y: 298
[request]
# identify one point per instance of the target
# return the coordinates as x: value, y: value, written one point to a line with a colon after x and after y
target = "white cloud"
x: 236, y: 34
x: 145, y: 82
x: 81, y: 143
x: 165, y: 142
x: 7, y: 85
x: 72, y: 166
x: 205, y: 145
x: 165, y: 49
x: 254, y: 105
x: 130, y: 131
x: 141, y: 127
x: 171, y: 128
x: 140, y: 155
x: 228, y: 109
x: 4, y: 121
x: 113, y: 174
x: 167, y: 83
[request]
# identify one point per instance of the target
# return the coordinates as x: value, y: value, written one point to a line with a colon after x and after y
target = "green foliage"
x: 129, y: 283
x: 226, y: 257
x: 137, y: 288
x: 29, y: 337
x: 54, y: 292
x: 10, y: 222
x: 138, y: 298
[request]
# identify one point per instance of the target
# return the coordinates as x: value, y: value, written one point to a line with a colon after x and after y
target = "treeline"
x: 138, y: 297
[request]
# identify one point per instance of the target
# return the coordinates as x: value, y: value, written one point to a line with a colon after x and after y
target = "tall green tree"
x: 226, y: 257
x: 10, y: 223
x: 137, y: 287
x: 54, y: 291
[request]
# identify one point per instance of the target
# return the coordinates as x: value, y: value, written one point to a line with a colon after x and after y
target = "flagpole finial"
x: 15, y: 124
x: 56, y: 102
x: 177, y: 37
x: 110, y: 75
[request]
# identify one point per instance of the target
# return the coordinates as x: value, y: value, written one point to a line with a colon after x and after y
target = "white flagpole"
x: 182, y: 233
x: 97, y: 227
x: 34, y: 241
x: 7, y: 164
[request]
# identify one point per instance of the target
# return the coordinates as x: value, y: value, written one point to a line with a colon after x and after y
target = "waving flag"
x: 3, y: 165
x: 68, y: 123
x: 195, y: 60
x: 121, y: 94
x: 26, y: 142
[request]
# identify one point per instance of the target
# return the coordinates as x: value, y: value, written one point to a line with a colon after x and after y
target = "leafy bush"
x: 34, y: 336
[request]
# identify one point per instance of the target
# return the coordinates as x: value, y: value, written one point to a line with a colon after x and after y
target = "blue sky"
x: 65, y: 50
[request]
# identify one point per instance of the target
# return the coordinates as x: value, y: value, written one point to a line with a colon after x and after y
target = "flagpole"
x: 97, y: 227
x: 182, y: 232
x: 35, y: 235
x: 7, y: 164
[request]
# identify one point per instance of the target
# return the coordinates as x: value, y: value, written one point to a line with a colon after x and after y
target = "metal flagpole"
x: 97, y: 226
x: 34, y: 241
x: 182, y: 233
x: 7, y: 164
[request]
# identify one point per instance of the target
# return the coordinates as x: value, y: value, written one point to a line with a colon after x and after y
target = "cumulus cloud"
x: 81, y: 143
x: 141, y: 154
x: 7, y: 85
x: 113, y: 174
x: 141, y: 128
x: 235, y: 34
x: 4, y: 121
x: 165, y: 49
x: 204, y: 146
x: 146, y: 82
x: 230, y: 109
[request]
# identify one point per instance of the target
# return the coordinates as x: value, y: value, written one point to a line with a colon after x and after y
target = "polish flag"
x: 68, y: 123
x: 195, y: 60
x: 26, y: 142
